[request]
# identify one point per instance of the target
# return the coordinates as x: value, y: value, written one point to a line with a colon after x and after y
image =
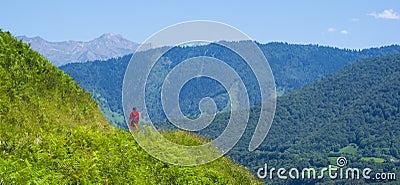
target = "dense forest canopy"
x: 353, y: 113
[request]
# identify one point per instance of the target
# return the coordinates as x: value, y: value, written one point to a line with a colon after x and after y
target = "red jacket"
x: 134, y: 114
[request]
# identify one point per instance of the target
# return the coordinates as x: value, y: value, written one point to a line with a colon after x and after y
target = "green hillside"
x: 52, y: 132
x: 353, y: 113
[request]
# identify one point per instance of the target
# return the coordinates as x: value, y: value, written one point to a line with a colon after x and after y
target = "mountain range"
x: 102, y: 48
x: 293, y: 66
x: 333, y: 103
x: 352, y: 113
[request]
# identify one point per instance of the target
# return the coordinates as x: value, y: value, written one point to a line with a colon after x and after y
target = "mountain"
x: 293, y: 66
x: 52, y: 132
x: 353, y: 113
x: 59, y: 53
x: 340, y: 103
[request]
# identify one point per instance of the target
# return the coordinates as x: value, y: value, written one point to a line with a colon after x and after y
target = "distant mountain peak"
x: 38, y: 38
x: 110, y: 35
x: 108, y: 45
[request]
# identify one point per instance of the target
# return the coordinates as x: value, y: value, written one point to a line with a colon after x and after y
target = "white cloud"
x: 355, y: 19
x: 331, y: 29
x: 386, y: 14
x: 344, y: 32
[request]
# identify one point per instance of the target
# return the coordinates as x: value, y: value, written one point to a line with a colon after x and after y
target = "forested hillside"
x: 353, y: 113
x: 293, y: 67
x: 52, y: 132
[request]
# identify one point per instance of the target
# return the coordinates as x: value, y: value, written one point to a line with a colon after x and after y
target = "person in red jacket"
x: 134, y: 119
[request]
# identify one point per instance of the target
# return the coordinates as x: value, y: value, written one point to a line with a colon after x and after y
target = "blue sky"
x: 351, y: 24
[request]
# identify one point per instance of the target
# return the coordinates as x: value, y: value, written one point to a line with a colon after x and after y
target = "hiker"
x: 134, y: 119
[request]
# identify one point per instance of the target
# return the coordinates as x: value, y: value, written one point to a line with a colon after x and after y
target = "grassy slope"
x: 53, y: 132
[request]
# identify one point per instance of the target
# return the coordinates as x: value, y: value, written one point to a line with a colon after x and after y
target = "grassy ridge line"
x: 52, y: 132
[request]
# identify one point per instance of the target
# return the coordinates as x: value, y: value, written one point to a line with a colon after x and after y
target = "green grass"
x: 332, y: 160
x: 350, y: 149
x: 374, y: 159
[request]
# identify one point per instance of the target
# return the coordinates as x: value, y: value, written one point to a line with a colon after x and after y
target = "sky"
x: 354, y: 24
